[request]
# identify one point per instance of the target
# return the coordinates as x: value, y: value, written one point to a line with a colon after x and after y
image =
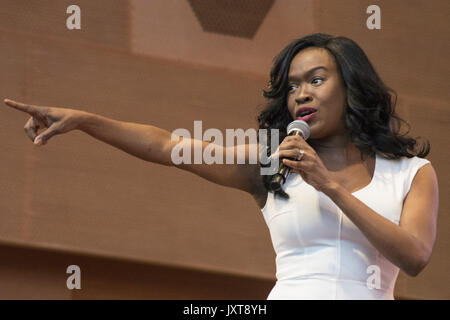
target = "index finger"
x: 296, y: 137
x: 295, y: 141
x: 20, y: 106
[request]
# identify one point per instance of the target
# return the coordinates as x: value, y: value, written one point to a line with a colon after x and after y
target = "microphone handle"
x: 281, y: 176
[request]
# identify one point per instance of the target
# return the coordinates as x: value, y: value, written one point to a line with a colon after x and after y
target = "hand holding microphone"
x: 296, y: 127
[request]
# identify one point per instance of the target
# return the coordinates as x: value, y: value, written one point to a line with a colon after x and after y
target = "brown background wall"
x: 78, y: 201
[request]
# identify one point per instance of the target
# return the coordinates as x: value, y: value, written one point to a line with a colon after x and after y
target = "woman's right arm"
x: 154, y: 144
x: 143, y: 141
x: 146, y: 142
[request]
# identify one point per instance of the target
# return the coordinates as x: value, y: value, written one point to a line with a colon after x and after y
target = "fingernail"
x: 38, y: 142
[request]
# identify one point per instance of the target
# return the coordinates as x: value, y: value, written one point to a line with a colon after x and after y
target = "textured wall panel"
x: 41, y: 274
x: 170, y: 29
x: 14, y: 63
x: 410, y: 50
x: 83, y: 195
x: 231, y: 17
x: 103, y: 22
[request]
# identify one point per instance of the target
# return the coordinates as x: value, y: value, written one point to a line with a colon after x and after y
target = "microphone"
x: 295, y: 128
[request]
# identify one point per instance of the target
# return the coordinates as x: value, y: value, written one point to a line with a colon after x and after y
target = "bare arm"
x: 146, y: 142
x: 154, y: 144
x: 143, y: 141
x: 410, y: 244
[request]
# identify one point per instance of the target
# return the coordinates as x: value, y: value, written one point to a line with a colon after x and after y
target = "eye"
x: 291, y: 87
x: 317, y: 81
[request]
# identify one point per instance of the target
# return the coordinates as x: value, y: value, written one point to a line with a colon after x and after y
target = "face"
x: 315, y: 82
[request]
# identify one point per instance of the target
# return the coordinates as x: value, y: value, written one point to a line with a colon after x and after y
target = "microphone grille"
x: 299, y: 125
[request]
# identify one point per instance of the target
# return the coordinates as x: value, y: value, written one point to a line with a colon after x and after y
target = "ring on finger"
x: 300, y: 154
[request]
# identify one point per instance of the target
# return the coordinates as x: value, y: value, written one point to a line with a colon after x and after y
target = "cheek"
x: 335, y: 114
x: 336, y: 103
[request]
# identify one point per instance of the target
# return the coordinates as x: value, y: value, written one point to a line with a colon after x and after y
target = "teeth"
x: 305, y: 113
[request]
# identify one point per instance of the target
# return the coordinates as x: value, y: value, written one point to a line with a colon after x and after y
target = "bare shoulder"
x: 425, y: 181
x: 424, y: 190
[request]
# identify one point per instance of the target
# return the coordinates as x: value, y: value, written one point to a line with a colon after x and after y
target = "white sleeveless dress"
x: 320, y: 253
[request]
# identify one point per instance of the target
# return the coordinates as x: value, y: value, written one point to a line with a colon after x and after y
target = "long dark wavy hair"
x: 370, y: 111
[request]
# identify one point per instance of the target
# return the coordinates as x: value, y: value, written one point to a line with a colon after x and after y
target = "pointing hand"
x: 53, y: 120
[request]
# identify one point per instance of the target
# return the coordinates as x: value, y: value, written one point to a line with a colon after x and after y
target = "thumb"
x: 46, y: 135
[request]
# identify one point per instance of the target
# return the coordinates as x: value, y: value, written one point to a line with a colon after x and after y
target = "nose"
x: 303, y: 96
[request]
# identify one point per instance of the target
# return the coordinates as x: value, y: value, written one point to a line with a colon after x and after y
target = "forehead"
x: 310, y: 58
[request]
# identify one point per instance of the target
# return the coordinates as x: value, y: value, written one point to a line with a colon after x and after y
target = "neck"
x: 338, y: 148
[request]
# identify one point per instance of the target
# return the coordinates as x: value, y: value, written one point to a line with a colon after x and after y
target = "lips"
x: 304, y: 113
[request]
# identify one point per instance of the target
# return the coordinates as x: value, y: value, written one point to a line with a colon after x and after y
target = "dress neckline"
x: 372, y: 181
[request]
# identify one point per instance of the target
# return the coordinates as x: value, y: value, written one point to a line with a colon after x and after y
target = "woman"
x: 359, y: 204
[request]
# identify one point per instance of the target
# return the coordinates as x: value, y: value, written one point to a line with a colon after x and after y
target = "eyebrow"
x: 307, y: 72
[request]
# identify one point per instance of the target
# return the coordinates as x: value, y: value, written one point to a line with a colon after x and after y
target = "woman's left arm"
x: 407, y: 245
